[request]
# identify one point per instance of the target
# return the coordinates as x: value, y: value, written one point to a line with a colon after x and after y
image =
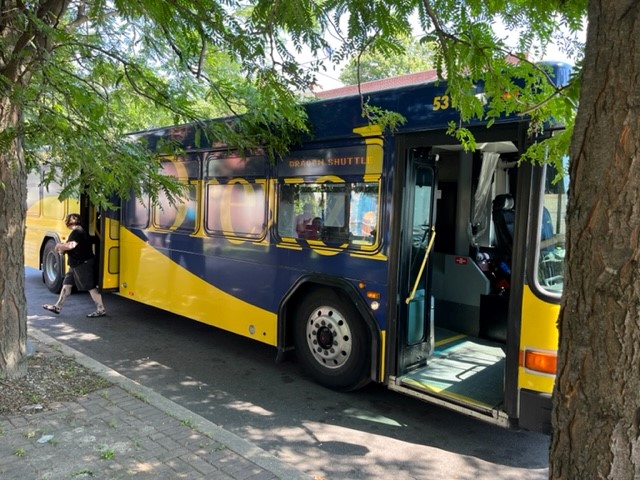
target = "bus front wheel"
x: 332, y: 344
x: 52, y: 267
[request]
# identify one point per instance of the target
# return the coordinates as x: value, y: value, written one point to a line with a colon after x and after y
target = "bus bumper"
x: 535, y: 411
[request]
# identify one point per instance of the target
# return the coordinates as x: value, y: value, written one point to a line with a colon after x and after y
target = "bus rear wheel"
x: 332, y: 344
x: 52, y: 267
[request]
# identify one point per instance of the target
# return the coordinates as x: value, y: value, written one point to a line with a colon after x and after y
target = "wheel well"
x: 291, y: 302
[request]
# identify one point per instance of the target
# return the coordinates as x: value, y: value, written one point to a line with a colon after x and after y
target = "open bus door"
x: 415, y: 327
x: 447, y: 352
x: 104, y: 230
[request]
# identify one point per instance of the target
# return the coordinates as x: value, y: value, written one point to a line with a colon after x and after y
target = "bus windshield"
x: 551, y: 245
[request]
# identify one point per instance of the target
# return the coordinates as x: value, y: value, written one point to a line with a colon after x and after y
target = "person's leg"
x: 64, y: 294
x: 97, y: 299
x: 67, y: 286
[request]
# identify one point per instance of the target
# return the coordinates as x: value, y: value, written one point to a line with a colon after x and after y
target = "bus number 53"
x: 441, y: 102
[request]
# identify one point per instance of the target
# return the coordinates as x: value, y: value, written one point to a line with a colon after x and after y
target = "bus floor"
x: 463, y: 369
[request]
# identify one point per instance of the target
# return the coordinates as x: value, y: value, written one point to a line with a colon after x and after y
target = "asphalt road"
x: 235, y: 383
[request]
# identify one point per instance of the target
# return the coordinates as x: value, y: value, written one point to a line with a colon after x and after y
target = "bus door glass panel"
x: 415, y: 331
x: 418, y: 272
x: 103, y: 227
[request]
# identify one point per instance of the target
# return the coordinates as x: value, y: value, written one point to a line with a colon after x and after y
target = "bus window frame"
x: 256, y: 172
x: 533, y: 256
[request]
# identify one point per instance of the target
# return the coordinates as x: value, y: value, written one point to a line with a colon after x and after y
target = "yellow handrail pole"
x: 424, y: 264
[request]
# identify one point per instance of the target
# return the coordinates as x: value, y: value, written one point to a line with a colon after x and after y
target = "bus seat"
x: 503, y: 214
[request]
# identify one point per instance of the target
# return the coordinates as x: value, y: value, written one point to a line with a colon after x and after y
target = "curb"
x: 232, y: 441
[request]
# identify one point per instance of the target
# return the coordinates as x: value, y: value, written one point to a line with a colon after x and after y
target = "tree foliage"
x: 411, y: 56
x: 466, y: 51
x: 101, y: 69
x: 77, y: 75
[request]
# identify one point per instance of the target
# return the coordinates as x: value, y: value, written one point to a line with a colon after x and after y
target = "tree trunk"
x: 596, y: 409
x: 13, y: 194
x: 24, y: 44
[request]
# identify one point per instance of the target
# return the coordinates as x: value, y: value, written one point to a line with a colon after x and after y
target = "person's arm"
x: 66, y: 246
x: 301, y: 224
x: 70, y: 244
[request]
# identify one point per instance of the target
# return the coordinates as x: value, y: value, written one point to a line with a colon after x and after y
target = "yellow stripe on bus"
x: 452, y: 339
x: 152, y: 278
x: 443, y: 392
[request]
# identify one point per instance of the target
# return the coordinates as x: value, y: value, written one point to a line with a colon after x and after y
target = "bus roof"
x: 337, y: 117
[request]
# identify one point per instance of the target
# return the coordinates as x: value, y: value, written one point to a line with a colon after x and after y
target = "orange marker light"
x: 544, y: 362
x: 373, y: 295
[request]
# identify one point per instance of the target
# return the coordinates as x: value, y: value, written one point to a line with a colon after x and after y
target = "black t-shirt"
x: 83, y: 250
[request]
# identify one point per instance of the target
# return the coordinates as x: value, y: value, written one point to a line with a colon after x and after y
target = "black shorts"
x: 81, y: 276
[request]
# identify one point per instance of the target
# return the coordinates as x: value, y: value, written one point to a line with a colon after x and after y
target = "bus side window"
x: 236, y: 194
x: 136, y: 212
x: 33, y: 194
x: 336, y: 213
x: 237, y: 208
x: 180, y: 216
x: 363, y: 210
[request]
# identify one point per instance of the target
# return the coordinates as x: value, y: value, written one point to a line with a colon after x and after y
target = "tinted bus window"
x: 232, y: 164
x: 236, y: 194
x: 136, y: 212
x: 236, y: 208
x: 182, y: 214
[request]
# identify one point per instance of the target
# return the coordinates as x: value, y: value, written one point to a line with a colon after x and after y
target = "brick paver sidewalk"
x: 125, y: 431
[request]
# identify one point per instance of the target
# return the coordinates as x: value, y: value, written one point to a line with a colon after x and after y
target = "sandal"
x: 52, y: 308
x: 96, y: 314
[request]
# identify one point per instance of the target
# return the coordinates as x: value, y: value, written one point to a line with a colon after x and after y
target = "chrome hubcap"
x: 329, y: 337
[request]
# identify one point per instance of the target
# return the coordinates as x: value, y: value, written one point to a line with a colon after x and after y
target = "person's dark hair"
x: 72, y: 220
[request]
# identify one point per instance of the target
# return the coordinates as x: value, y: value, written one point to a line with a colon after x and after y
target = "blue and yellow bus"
x: 390, y: 257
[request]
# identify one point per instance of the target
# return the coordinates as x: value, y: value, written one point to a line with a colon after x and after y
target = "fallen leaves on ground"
x: 49, y: 379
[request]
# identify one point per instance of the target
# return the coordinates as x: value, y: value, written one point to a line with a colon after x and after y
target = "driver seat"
x: 504, y: 216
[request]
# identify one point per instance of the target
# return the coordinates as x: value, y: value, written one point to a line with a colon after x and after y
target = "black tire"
x: 331, y: 340
x: 52, y: 267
